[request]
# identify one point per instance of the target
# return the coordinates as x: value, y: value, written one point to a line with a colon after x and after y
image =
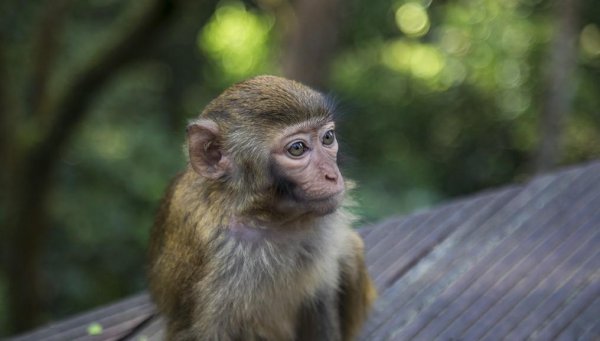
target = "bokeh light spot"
x: 110, y: 143
x: 396, y: 55
x: 454, y: 73
x: 509, y: 74
x: 513, y: 103
x: 590, y: 40
x: 236, y: 38
x: 455, y: 41
x: 426, y: 62
x: 412, y: 19
x: 515, y: 41
x: 421, y: 60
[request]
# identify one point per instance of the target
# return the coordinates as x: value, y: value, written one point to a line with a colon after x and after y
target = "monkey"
x: 253, y: 240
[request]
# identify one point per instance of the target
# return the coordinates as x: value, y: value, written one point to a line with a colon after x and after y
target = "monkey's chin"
x: 296, y: 207
x: 323, y: 206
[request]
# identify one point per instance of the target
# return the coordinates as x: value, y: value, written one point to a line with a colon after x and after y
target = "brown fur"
x: 228, y: 263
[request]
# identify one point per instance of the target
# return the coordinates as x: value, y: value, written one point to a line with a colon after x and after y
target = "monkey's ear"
x: 206, y: 154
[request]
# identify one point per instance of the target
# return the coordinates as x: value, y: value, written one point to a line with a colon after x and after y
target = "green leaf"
x: 94, y: 329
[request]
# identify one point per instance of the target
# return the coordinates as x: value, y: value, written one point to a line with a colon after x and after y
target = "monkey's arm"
x: 177, y: 257
x: 356, y: 291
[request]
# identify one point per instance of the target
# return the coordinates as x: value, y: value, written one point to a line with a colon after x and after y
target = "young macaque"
x: 253, y: 241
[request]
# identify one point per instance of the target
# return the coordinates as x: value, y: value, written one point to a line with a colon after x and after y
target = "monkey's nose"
x: 331, y: 177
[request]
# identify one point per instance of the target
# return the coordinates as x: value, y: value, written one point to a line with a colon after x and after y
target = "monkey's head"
x: 269, y: 144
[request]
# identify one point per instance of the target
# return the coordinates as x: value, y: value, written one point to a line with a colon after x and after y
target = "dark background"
x: 438, y: 99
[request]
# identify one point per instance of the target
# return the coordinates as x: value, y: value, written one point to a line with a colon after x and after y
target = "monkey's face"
x: 269, y: 143
x: 305, y: 171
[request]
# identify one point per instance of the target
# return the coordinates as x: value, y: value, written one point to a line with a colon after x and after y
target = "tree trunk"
x: 30, y: 182
x: 312, y: 41
x: 559, y: 90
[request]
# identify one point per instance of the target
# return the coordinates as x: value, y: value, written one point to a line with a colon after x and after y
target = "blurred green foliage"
x: 437, y: 99
x: 237, y: 42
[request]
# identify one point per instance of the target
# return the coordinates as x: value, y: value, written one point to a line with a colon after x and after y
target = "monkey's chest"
x: 273, y: 270
x: 266, y: 284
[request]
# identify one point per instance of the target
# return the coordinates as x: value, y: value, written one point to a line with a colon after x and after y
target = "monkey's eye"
x: 329, y: 137
x: 297, y: 149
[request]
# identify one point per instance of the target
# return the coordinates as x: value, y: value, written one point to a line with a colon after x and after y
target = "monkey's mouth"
x: 317, y: 206
x: 325, y: 204
x: 319, y: 198
x: 327, y: 197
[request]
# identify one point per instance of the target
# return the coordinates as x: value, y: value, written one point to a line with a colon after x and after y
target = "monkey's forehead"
x: 272, y: 100
x: 288, y: 116
x: 308, y: 126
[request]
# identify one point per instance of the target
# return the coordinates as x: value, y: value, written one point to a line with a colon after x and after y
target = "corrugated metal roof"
x: 516, y: 263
